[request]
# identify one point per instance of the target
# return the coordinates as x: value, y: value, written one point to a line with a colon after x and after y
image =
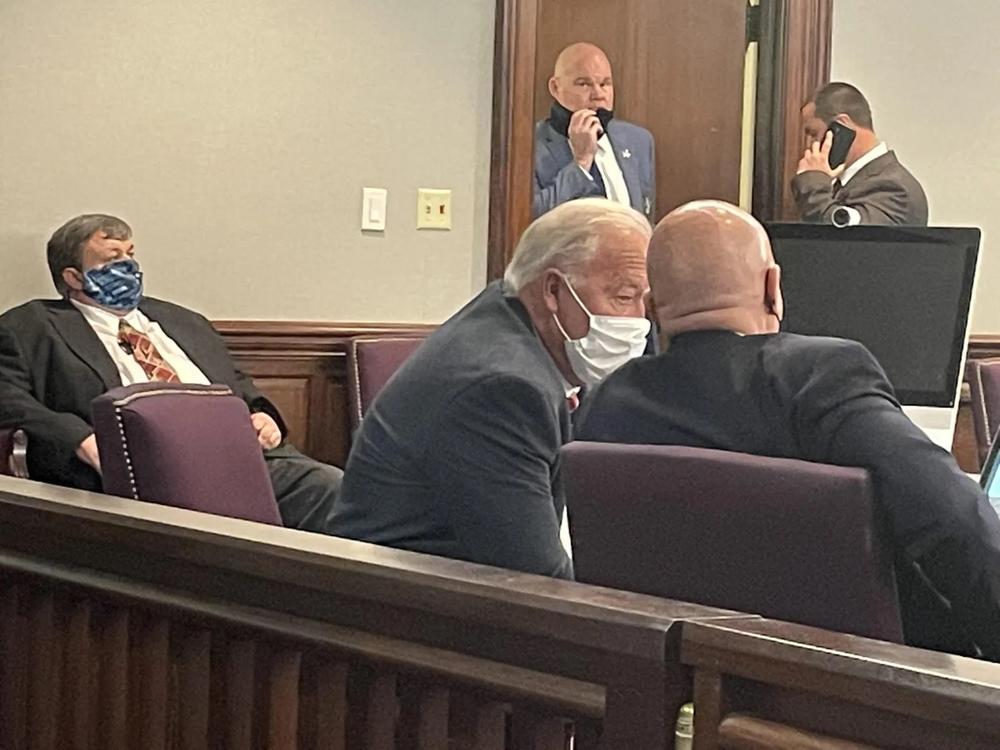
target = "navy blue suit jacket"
x: 459, y: 454
x: 824, y: 400
x: 559, y: 179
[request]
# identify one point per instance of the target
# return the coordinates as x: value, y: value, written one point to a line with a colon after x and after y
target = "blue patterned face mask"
x: 115, y: 285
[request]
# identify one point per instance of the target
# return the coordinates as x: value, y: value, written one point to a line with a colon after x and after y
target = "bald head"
x: 582, y: 78
x: 711, y: 267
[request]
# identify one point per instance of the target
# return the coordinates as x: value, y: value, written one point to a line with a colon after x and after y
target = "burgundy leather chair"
x: 984, y: 388
x: 14, y: 453
x: 785, y: 539
x: 189, y: 446
x: 371, y: 362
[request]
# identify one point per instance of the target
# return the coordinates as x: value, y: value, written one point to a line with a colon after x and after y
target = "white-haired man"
x: 459, y: 454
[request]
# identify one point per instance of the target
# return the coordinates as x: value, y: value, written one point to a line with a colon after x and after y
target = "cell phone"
x: 843, y: 137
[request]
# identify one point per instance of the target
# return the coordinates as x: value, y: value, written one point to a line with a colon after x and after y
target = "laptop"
x: 903, y: 292
x: 990, y: 478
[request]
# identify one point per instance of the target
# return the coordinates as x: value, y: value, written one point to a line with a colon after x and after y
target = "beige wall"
x: 932, y: 73
x: 236, y: 136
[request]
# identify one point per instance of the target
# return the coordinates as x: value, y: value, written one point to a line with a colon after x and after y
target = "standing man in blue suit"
x: 580, y: 150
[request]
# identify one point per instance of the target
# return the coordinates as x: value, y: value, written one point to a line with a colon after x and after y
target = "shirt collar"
x: 106, y: 319
x: 864, y: 160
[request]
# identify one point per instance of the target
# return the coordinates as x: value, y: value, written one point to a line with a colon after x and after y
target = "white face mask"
x: 611, y: 342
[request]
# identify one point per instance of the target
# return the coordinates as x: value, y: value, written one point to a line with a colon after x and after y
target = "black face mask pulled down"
x: 559, y: 116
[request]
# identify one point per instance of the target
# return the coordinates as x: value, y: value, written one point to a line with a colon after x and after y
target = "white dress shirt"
x: 611, y: 172
x: 105, y: 325
x: 853, y: 215
x: 880, y: 150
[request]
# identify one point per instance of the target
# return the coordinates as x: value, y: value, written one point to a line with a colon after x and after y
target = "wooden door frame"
x: 795, y: 41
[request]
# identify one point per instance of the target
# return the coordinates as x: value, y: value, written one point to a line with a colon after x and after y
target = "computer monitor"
x: 903, y: 292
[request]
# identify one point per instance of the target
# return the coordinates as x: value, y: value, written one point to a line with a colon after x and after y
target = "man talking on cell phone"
x: 846, y: 181
x: 581, y: 150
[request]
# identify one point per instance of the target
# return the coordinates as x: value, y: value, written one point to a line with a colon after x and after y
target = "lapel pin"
x: 626, y: 154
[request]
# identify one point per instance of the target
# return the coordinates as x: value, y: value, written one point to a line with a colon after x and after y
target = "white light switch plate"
x: 374, y: 203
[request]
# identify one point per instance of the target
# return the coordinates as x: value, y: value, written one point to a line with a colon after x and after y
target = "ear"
x: 552, y: 282
x: 554, y: 87
x: 650, y: 305
x: 772, y: 293
x: 72, y: 278
x: 846, y: 121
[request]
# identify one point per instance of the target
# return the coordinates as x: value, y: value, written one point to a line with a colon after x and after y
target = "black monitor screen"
x: 903, y: 292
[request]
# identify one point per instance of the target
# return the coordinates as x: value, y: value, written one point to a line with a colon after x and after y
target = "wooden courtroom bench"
x: 125, y: 624
x: 768, y: 684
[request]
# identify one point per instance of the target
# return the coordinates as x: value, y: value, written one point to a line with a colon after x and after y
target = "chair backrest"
x: 13, y: 453
x: 189, y: 446
x: 984, y: 388
x: 786, y: 539
x: 371, y: 362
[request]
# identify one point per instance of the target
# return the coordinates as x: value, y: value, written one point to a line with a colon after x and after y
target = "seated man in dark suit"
x: 871, y: 186
x: 459, y: 454
x: 729, y: 380
x: 56, y: 356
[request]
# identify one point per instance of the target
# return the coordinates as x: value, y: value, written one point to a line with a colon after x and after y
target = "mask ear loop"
x: 590, y: 317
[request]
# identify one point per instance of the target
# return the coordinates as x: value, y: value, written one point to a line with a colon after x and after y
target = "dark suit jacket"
x: 459, y: 454
x: 52, y: 365
x: 559, y: 179
x: 883, y: 192
x: 824, y: 400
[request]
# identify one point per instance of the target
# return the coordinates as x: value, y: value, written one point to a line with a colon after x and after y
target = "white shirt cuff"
x: 853, y: 216
x: 589, y: 175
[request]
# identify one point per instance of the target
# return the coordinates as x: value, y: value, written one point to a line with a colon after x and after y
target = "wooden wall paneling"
x: 14, y: 672
x: 504, y: 643
x: 301, y: 367
x: 678, y: 70
x: 149, y: 673
x: 840, y: 687
x: 512, y: 146
x: 44, y: 673
x: 77, y: 696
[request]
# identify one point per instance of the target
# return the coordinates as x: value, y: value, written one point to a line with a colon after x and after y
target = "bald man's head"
x: 711, y: 267
x: 582, y: 78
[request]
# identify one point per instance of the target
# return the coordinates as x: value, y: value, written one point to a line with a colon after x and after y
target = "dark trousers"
x: 305, y: 488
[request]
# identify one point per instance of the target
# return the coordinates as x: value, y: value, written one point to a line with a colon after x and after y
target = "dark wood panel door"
x: 678, y: 69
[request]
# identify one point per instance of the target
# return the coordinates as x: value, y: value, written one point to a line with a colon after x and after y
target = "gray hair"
x: 567, y: 237
x: 65, y: 248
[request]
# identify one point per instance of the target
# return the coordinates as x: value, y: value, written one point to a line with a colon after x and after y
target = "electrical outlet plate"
x: 433, y: 208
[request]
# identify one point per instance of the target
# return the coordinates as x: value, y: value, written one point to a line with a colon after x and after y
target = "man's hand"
x: 87, y: 452
x: 583, y: 129
x: 268, y: 434
x: 817, y: 158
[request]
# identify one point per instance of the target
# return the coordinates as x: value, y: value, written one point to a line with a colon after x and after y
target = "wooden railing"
x: 132, y: 625
x: 128, y: 625
x: 769, y: 684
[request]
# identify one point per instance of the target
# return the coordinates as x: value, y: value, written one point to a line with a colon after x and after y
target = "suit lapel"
x: 868, y: 171
x: 629, y: 166
x: 558, y: 146
x: 70, y: 324
x: 178, y: 329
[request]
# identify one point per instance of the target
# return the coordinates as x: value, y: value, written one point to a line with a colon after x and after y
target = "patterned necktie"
x: 149, y: 359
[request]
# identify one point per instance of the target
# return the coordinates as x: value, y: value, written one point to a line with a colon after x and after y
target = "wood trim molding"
x: 512, y: 151
x: 306, y: 337
x: 796, y: 39
x: 984, y: 345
